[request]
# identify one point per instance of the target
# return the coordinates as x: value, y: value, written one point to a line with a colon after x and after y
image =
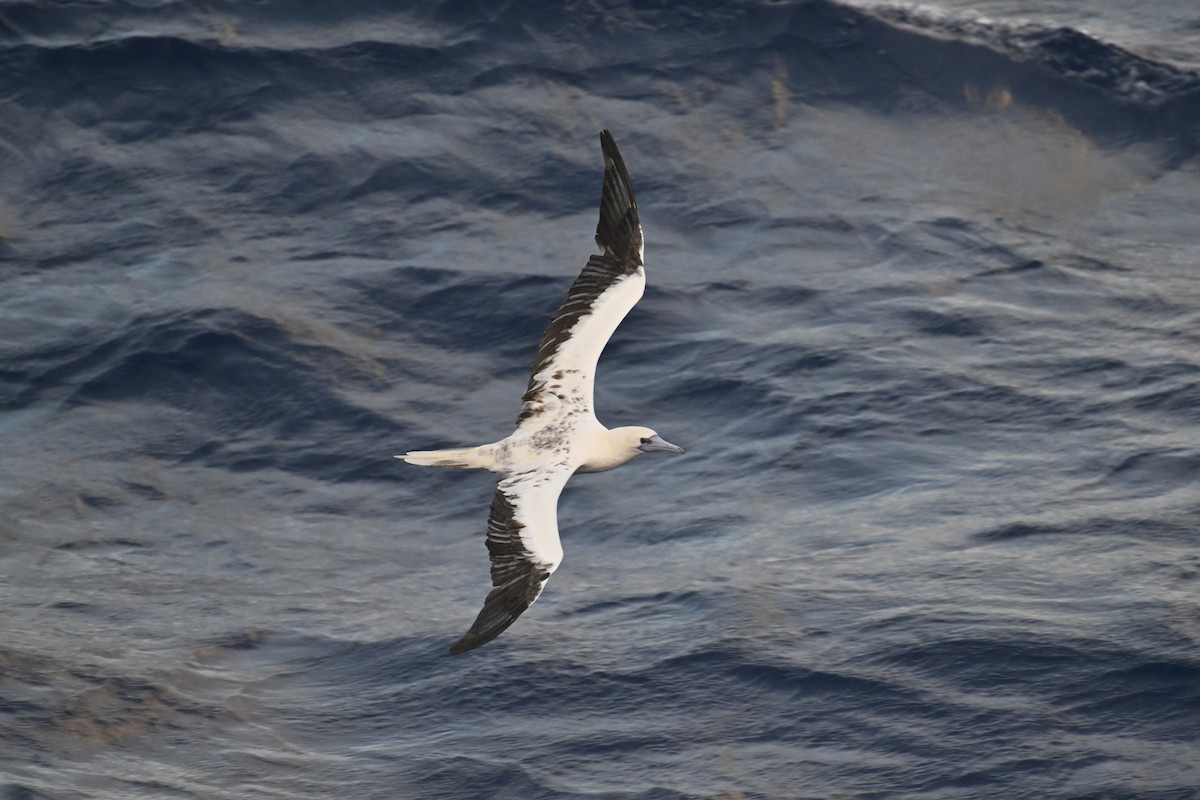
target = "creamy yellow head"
x: 614, y: 447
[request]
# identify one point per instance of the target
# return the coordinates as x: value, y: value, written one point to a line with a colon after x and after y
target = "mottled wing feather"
x: 611, y: 282
x: 522, y: 541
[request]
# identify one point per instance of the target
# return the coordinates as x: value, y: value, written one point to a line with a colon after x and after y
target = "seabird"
x: 557, y: 432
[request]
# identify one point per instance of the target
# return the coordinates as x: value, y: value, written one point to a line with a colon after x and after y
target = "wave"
x: 888, y: 59
x: 219, y: 387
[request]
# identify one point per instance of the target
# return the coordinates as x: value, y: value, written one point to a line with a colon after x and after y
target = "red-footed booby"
x: 557, y: 431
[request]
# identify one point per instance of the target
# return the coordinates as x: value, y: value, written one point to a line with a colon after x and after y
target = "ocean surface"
x: 923, y: 308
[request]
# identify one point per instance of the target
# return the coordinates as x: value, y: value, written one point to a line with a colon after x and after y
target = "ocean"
x: 923, y: 309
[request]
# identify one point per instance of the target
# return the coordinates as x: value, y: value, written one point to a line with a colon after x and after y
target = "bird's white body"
x: 576, y: 446
x: 557, y: 431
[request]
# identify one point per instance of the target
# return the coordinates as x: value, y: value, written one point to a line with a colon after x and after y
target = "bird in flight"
x: 557, y: 433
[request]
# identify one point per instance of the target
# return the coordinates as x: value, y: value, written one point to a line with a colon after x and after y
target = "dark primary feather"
x: 619, y: 234
x: 516, y: 576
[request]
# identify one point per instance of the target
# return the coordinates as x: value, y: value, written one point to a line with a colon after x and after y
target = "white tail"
x: 458, y: 458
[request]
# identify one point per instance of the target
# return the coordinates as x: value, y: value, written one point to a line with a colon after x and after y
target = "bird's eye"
x: 645, y: 440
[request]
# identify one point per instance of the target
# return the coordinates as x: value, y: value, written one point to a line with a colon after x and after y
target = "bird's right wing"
x: 522, y: 540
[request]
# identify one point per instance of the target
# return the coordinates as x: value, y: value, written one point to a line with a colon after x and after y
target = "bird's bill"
x: 659, y: 444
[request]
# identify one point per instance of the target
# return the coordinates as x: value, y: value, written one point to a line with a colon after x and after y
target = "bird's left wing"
x: 522, y: 540
x: 609, y: 286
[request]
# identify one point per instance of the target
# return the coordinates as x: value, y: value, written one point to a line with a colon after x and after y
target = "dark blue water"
x: 922, y: 309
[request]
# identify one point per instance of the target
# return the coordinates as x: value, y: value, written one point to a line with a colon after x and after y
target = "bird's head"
x: 621, y: 444
x: 644, y: 440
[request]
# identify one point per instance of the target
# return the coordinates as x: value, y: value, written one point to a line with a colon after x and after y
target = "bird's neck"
x: 606, y: 449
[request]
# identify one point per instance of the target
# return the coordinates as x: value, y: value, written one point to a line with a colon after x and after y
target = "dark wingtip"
x: 618, y: 231
x: 482, y: 632
x: 466, y: 643
x: 503, y: 605
x: 608, y: 147
x: 607, y: 142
